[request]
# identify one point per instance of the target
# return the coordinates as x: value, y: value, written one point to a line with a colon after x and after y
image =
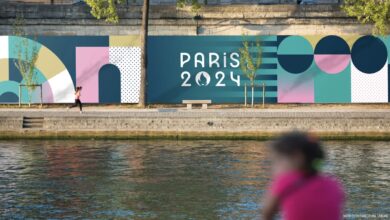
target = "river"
x: 74, y: 179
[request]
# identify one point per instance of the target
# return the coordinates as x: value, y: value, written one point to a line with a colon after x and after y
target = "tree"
x: 107, y: 9
x: 27, y: 54
x: 370, y: 11
x: 249, y: 65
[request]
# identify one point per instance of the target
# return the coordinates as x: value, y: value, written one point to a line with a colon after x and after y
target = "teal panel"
x: 333, y: 88
x: 36, y: 95
x: 13, y: 87
x: 17, y: 44
x: 296, y: 88
x: 165, y: 74
x: 9, y: 86
x: 386, y: 40
x: 295, y: 45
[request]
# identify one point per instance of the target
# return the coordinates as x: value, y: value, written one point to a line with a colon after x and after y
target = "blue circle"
x: 369, y: 54
x: 332, y: 45
x: 295, y: 63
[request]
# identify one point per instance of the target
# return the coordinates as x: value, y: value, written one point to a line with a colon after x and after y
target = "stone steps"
x: 32, y: 122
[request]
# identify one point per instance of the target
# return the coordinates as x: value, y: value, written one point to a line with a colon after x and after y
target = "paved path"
x: 182, y: 112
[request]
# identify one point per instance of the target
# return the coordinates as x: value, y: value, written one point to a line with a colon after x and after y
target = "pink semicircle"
x: 332, y: 63
x: 47, y: 94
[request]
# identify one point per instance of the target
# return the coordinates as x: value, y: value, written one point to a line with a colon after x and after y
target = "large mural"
x: 295, y: 69
x: 107, y: 67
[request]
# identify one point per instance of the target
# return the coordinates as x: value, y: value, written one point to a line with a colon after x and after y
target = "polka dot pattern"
x: 128, y: 60
x: 368, y: 88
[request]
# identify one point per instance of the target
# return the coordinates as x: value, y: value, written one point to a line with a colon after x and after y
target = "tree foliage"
x: 27, y: 53
x: 370, y: 11
x: 195, y: 5
x: 105, y: 9
x: 248, y: 64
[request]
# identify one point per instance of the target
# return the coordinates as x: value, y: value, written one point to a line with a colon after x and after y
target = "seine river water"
x: 169, y: 179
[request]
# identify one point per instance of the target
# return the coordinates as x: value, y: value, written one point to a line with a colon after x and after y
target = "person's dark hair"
x: 300, y: 142
x: 78, y: 88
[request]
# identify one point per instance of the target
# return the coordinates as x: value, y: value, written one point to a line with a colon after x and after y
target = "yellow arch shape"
x: 48, y: 63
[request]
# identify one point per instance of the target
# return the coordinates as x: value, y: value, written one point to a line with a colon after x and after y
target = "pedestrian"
x: 299, y: 189
x: 77, y: 101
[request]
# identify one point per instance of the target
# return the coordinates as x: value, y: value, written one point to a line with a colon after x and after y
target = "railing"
x: 32, y: 85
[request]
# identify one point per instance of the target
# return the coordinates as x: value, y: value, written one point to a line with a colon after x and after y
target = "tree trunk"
x: 144, y: 61
x: 253, y: 96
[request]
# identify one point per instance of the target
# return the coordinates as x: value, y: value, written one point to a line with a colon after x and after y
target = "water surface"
x: 168, y: 179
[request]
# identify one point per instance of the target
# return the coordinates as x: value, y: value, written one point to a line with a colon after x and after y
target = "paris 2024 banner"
x: 294, y: 69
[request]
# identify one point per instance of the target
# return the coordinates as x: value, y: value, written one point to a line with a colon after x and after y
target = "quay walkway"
x: 178, y: 123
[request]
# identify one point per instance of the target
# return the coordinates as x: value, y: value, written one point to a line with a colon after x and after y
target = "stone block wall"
x: 204, y: 124
x: 288, y: 19
x: 10, y: 123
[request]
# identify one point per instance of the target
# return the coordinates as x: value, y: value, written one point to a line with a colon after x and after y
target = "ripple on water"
x: 168, y: 179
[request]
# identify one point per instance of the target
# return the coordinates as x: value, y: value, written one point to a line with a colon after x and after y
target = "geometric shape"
x: 14, y: 73
x: 333, y: 88
x: 9, y: 97
x: 36, y: 92
x: 366, y: 88
x: 295, y: 63
x: 350, y: 39
x: 313, y: 39
x: 4, y: 47
x: 296, y: 88
x: 369, y: 54
x: 48, y: 63
x: 47, y: 94
x: 386, y: 41
x: 332, y: 45
x: 22, y: 47
x: 62, y: 89
x: 125, y: 41
x: 9, y: 87
x: 4, y: 69
x: 89, y: 60
x: 128, y: 60
x: 295, y: 54
x: 109, y: 84
x: 332, y: 63
x: 4, y: 65
x: 64, y: 48
x: 57, y: 84
x: 295, y: 45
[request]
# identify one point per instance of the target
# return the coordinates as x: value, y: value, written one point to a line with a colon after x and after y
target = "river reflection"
x: 168, y: 179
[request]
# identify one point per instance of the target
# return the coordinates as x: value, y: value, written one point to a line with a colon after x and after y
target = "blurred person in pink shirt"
x: 299, y: 189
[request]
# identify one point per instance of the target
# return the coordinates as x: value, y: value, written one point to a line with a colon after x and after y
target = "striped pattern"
x: 268, y: 69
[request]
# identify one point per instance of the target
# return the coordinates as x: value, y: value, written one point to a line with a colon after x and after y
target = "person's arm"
x: 270, y: 206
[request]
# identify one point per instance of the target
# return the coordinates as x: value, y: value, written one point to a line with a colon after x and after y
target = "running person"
x: 77, y: 101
